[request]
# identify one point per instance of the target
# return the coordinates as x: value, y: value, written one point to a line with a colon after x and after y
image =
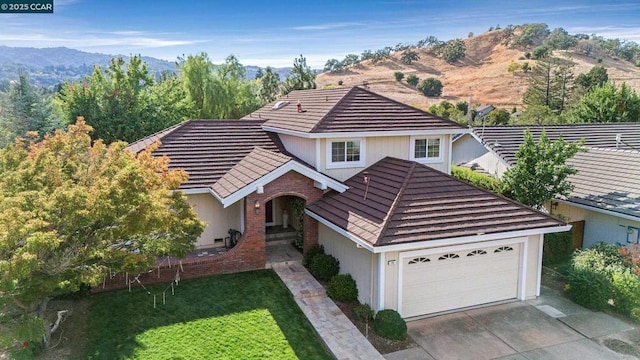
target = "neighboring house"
x: 482, y: 111
x: 605, y: 203
x: 373, y: 173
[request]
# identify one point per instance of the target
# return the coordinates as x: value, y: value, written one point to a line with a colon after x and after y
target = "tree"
x: 301, y: 76
x: 608, y: 103
x: 525, y: 67
x: 333, y: 65
x: 559, y: 39
x: 532, y: 34
x: 499, y: 117
x: 269, y: 85
x: 408, y: 56
x: 26, y: 108
x: 541, y: 171
x: 219, y: 91
x: 540, y: 52
x: 398, y: 75
x: 431, y: 87
x: 597, y: 76
x: 513, y: 67
x: 413, y: 80
x: 550, y: 84
x: 71, y: 210
x: 125, y: 102
x: 350, y: 59
x: 454, y: 50
x: 538, y: 115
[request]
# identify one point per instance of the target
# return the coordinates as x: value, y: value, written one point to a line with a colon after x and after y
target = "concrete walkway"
x: 338, y: 333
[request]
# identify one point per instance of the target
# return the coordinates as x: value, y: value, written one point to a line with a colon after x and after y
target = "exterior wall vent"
x: 279, y: 105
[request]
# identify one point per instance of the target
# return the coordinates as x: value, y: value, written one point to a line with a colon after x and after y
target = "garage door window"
x: 448, y: 256
x: 503, y: 249
x: 477, y: 252
x: 419, y: 260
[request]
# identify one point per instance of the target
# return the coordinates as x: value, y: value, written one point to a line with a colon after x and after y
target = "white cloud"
x: 329, y: 26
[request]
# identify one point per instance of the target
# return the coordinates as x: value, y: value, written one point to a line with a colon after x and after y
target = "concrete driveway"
x: 546, y: 328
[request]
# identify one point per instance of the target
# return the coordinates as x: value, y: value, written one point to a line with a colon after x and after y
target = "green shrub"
x: 324, y: 267
x: 589, y: 288
x: 480, y: 180
x: 398, y: 75
x: 343, y: 288
x: 602, y: 258
x: 635, y: 315
x: 413, y: 80
x: 390, y: 325
x: 626, y: 291
x: 363, y: 312
x: 313, y: 251
x: 431, y: 87
x: 558, y: 248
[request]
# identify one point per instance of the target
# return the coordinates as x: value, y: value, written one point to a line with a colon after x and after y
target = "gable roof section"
x: 347, y: 110
x: 409, y: 202
x: 607, y: 179
x: 208, y: 149
x: 505, y: 140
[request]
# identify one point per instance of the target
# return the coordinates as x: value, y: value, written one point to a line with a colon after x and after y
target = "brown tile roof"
x: 348, y: 110
x: 208, y: 149
x: 607, y: 179
x: 258, y: 163
x: 505, y: 140
x: 409, y: 202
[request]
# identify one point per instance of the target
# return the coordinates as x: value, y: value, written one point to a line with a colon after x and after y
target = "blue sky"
x: 275, y: 32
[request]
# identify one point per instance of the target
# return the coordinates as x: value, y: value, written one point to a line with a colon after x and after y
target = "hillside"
x: 50, y: 66
x: 481, y: 76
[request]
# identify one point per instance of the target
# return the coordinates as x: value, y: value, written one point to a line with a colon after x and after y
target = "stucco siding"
x: 532, y: 266
x: 303, y: 148
x: 218, y: 220
x: 353, y: 260
x: 598, y: 227
x: 466, y: 149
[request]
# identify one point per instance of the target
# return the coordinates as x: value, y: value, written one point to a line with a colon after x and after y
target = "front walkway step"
x: 337, y: 332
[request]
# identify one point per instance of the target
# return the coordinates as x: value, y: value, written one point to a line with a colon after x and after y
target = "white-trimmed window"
x: 345, y: 153
x: 426, y: 149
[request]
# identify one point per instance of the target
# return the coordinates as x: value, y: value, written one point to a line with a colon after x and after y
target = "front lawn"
x: 248, y: 315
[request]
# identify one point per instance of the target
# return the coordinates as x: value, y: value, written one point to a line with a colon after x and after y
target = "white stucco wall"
x: 468, y: 150
x: 598, y: 227
x: 353, y: 260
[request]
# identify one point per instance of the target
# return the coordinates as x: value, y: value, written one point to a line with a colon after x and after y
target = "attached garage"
x: 445, y: 279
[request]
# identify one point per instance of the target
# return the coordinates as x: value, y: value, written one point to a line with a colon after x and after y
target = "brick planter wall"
x: 249, y: 253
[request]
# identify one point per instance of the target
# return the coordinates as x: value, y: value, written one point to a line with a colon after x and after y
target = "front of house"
x: 604, y: 205
x: 373, y: 175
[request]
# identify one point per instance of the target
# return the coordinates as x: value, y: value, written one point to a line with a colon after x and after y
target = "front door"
x: 268, y: 213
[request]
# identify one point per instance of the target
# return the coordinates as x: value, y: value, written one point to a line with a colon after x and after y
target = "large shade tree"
x: 124, y: 101
x: 70, y: 209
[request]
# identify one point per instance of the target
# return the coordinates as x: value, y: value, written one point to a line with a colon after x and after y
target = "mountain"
x: 481, y: 76
x: 51, y: 66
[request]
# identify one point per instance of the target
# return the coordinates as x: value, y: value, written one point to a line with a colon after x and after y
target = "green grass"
x: 248, y: 315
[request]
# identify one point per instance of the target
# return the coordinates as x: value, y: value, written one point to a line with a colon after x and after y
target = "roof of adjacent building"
x: 410, y: 202
x: 209, y: 149
x: 346, y: 110
x: 505, y: 140
x: 607, y: 179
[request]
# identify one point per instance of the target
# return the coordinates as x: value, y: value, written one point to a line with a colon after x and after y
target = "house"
x: 605, y: 202
x: 374, y: 175
x: 482, y: 111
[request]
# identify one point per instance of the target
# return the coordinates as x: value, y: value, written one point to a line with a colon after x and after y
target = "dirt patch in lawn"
x: 70, y: 340
x: 384, y: 346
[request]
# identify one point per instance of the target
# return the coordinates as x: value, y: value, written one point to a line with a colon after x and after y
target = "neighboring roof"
x: 505, y: 140
x: 607, y: 179
x: 410, y: 202
x: 346, y: 110
x: 258, y: 163
x: 208, y: 149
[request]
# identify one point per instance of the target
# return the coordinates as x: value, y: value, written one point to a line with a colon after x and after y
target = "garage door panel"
x: 454, y: 280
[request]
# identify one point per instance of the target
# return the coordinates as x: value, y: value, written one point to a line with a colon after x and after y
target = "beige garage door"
x: 452, y: 280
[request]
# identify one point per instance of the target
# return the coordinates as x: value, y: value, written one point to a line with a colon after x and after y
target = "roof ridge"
x: 324, y: 117
x: 393, y: 206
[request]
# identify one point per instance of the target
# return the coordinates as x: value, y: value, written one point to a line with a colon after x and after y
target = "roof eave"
x: 600, y: 210
x: 359, y: 241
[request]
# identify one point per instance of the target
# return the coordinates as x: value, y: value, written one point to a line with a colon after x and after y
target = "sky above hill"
x: 275, y: 32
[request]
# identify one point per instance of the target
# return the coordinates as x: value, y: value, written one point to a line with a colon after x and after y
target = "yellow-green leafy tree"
x: 72, y: 208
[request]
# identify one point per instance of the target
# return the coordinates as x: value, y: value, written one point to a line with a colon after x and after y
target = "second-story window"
x: 426, y: 149
x: 345, y: 153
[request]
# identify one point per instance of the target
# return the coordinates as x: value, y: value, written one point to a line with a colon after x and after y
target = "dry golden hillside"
x: 481, y: 76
